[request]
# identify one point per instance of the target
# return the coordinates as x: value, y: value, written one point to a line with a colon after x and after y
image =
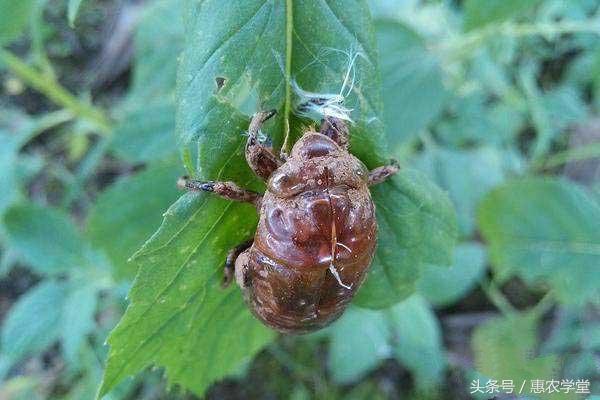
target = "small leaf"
x: 504, y: 348
x: 15, y: 16
x: 359, y: 341
x: 8, y: 171
x: 444, y: 286
x: 417, y: 225
x: 549, y: 232
x: 409, y: 331
x: 413, y: 91
x: 158, y: 41
x: 78, y: 317
x: 418, y: 341
x: 131, y: 210
x: 480, y: 13
x: 146, y: 133
x: 467, y: 175
x: 146, y: 124
x: 45, y: 238
x: 32, y: 324
x: 73, y: 10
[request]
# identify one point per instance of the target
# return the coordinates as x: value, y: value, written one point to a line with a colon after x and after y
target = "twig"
x: 55, y: 92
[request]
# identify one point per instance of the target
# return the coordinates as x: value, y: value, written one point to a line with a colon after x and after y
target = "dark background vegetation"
x: 497, y: 102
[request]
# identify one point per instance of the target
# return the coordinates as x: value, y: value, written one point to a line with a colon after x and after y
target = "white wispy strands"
x: 318, y: 105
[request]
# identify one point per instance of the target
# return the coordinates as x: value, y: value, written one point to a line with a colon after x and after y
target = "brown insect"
x: 317, y: 231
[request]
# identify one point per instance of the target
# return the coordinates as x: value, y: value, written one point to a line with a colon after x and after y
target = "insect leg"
x: 260, y: 157
x: 229, y: 270
x: 337, y: 130
x: 382, y: 173
x: 227, y: 190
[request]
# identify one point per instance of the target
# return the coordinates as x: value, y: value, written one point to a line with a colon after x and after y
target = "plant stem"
x: 497, y: 298
x: 55, y: 92
x: 42, y: 124
x: 543, y: 306
x: 576, y: 154
x: 289, y: 29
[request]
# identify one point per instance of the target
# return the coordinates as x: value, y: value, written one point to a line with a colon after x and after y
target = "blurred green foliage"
x: 496, y: 102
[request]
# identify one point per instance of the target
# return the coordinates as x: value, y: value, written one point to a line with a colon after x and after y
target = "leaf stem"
x: 55, y: 92
x: 543, y: 306
x: 497, y: 298
x: 576, y: 154
x: 289, y: 26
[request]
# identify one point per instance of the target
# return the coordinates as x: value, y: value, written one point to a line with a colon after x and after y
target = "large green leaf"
x: 548, y: 232
x: 417, y: 225
x: 413, y: 91
x: 15, y: 16
x: 178, y: 316
x: 131, y: 210
x: 258, y: 47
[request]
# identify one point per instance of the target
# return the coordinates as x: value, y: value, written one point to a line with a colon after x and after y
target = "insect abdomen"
x: 299, y: 278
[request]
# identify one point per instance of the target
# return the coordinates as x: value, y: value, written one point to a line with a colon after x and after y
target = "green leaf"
x: 257, y: 48
x: 145, y: 134
x: 73, y: 10
x: 417, y: 225
x: 467, y: 175
x: 504, y: 348
x: 146, y: 124
x: 78, y: 317
x: 479, y: 13
x: 417, y: 339
x: 131, y: 210
x: 413, y: 91
x: 32, y: 324
x: 50, y: 311
x: 8, y: 172
x: 199, y: 319
x: 179, y: 317
x: 158, y: 41
x: 409, y: 331
x: 549, y: 233
x: 359, y: 341
x: 474, y: 121
x: 15, y: 16
x: 45, y: 238
x: 444, y: 286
